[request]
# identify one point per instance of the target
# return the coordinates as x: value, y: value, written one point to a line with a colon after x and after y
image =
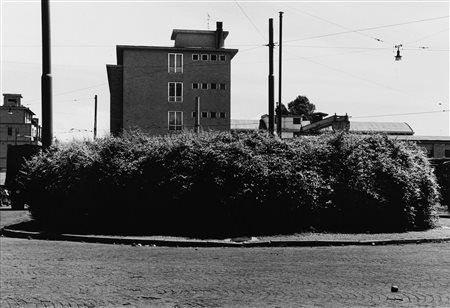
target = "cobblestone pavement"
x: 68, y: 274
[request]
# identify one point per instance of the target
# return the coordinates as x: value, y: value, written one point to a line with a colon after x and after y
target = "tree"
x: 301, y: 106
x: 284, y: 110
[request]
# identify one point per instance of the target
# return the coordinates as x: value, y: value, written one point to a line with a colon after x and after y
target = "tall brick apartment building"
x: 155, y: 88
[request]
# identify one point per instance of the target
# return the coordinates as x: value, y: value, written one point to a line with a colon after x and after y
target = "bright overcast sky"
x: 340, y: 54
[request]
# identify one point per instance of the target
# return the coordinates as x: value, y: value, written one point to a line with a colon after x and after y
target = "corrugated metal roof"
x: 381, y: 127
x: 245, y: 124
x: 424, y: 138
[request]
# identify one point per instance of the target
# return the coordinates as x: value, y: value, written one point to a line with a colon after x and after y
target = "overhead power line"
x: 250, y: 20
x: 68, y: 92
x: 427, y: 36
x: 367, y: 29
x: 338, y: 25
x: 400, y: 114
x: 368, y: 48
x: 348, y: 73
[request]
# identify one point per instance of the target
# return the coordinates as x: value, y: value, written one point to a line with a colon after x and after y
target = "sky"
x: 339, y: 54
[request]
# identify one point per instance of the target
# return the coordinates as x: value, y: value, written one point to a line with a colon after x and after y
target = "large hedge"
x: 224, y: 184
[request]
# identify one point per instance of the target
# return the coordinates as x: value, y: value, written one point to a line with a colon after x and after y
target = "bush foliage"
x: 227, y: 184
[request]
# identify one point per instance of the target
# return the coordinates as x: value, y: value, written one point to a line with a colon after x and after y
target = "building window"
x: 213, y: 57
x: 213, y: 86
x: 447, y: 153
x: 194, y: 114
x: 213, y: 114
x: 175, y: 120
x: 9, y: 131
x: 175, y: 62
x: 204, y: 86
x: 222, y: 115
x: 297, y: 121
x: 223, y: 58
x: 28, y: 117
x: 222, y: 86
x: 204, y: 57
x: 204, y: 114
x: 195, y: 85
x: 175, y: 91
x: 195, y: 57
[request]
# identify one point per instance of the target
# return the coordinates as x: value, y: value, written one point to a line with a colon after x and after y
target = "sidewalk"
x: 441, y: 233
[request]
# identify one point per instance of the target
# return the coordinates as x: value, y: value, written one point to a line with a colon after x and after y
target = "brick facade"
x: 140, y: 84
x: 18, y: 126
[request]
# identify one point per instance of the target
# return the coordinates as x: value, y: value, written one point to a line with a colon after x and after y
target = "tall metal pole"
x: 279, y: 127
x: 271, y: 79
x: 197, y: 114
x: 46, y: 79
x: 95, y: 117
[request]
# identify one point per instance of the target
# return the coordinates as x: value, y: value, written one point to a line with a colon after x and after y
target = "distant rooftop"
x: 175, y: 32
x: 424, y: 138
x: 200, y: 38
x: 397, y: 128
x: 244, y: 124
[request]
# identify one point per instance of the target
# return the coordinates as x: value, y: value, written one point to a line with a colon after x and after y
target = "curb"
x: 208, y: 243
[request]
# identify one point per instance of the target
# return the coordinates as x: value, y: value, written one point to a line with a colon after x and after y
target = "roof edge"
x: 121, y: 48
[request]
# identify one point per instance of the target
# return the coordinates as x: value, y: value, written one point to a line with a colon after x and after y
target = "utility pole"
x: 271, y: 79
x: 279, y: 127
x: 95, y: 117
x: 197, y: 114
x: 46, y: 79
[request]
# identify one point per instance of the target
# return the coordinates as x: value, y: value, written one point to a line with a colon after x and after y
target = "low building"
x: 238, y: 125
x: 18, y: 126
x: 343, y: 123
x: 436, y: 146
x: 290, y: 125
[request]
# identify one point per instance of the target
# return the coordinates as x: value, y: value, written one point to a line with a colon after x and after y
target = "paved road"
x: 68, y: 274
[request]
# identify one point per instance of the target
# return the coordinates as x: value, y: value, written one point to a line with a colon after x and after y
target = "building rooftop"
x: 175, y: 32
x: 244, y: 124
x: 397, y: 128
x: 17, y: 108
x: 120, y: 49
x: 424, y: 138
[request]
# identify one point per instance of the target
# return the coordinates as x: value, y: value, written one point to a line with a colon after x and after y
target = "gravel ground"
x: 72, y: 274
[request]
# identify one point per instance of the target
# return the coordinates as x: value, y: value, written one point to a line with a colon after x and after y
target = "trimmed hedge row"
x: 222, y: 184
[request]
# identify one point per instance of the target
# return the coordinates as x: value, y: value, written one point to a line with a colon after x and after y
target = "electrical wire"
x: 425, y: 37
x: 400, y: 114
x: 338, y: 25
x: 253, y: 48
x: 67, y: 92
x: 349, y: 74
x: 250, y: 20
x: 366, y: 29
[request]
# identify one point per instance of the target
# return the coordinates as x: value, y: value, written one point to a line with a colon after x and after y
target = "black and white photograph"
x: 228, y: 153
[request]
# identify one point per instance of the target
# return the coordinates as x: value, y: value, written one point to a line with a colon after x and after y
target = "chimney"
x: 219, y: 35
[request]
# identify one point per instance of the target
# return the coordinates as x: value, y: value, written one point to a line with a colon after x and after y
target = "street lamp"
x: 398, y: 57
